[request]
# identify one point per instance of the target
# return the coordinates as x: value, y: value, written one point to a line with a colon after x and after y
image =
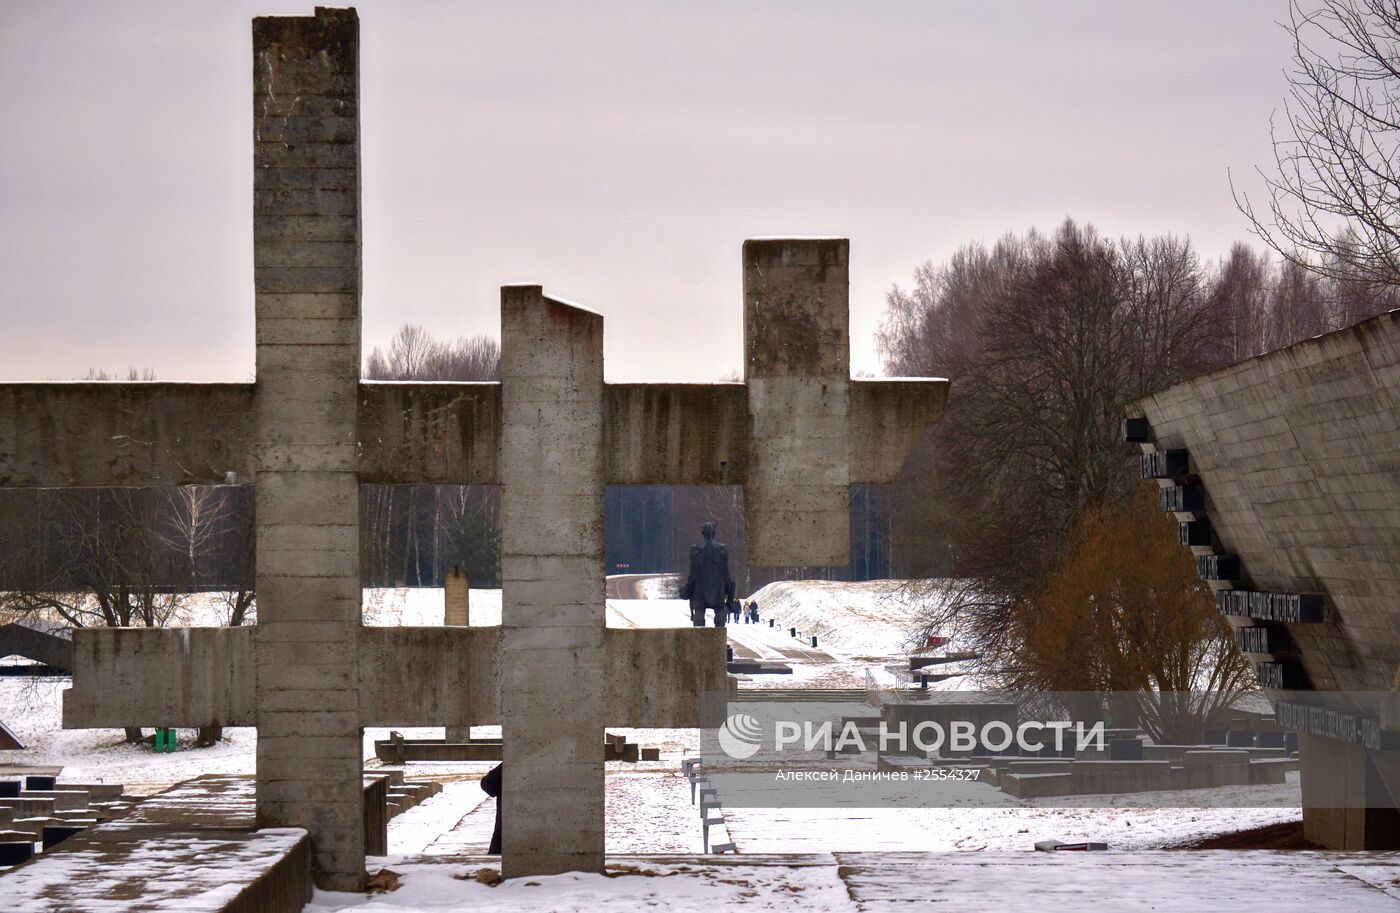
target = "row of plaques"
x: 1290, y: 608
x: 1343, y: 725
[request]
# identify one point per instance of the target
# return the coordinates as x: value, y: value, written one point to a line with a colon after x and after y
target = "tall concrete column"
x: 554, y: 590
x: 306, y: 237
x: 797, y: 366
x: 456, y: 610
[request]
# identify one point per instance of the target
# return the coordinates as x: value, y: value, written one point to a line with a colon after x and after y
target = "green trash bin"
x: 165, y: 739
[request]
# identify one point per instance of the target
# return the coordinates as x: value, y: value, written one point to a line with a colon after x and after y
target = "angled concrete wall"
x: 1298, y: 452
x: 1297, y: 456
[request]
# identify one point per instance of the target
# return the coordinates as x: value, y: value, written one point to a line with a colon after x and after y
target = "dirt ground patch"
x: 1287, y: 835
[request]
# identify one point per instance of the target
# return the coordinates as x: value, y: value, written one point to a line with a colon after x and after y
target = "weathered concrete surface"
x: 676, y: 434
x: 158, y: 858
x: 185, y: 677
x: 192, y: 677
x: 55, y: 435
x: 430, y: 676
x: 553, y: 583
x: 565, y: 676
x: 797, y: 368
x: 306, y: 271
x: 142, y: 434
x: 888, y: 417
x: 1299, y: 455
x: 444, y: 433
x: 655, y: 677
x: 1336, y: 778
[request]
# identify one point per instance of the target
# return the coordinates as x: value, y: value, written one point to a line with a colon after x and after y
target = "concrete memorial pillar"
x: 554, y: 589
x: 797, y: 367
x: 306, y: 259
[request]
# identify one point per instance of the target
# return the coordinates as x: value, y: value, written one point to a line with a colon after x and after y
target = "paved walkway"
x: 470, y: 835
x: 1162, y: 881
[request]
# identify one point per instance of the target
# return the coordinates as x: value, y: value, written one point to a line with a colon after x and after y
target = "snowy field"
x: 859, y: 626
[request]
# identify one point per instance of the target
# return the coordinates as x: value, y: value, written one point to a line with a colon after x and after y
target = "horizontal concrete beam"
x: 656, y: 677
x: 59, y: 435
x: 191, y: 677
x: 441, y: 433
x: 160, y: 677
x: 409, y: 676
x: 676, y: 434
x: 889, y: 417
x: 448, y: 676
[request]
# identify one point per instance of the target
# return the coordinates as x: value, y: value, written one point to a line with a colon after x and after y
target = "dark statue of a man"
x: 709, y: 586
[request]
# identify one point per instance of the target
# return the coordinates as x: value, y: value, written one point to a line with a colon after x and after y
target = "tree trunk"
x: 134, y: 735
x: 208, y: 736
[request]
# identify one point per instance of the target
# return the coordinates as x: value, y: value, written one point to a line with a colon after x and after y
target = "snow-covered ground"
x: 873, y: 620
x: 858, y: 626
x: 1161, y: 882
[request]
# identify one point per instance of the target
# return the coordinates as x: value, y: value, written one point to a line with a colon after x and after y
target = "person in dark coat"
x: 491, y: 785
x: 709, y: 586
x: 753, y: 611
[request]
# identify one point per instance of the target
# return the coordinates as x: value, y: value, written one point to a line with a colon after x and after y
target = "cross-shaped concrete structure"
x: 797, y: 434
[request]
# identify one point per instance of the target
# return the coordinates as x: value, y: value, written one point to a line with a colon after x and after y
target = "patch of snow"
x: 877, y: 618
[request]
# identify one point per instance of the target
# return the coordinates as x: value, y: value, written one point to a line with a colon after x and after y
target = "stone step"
x: 62, y: 798
x: 16, y: 851
x: 103, y: 792
x: 420, y: 789
x: 34, y: 825
x: 77, y: 814
x: 25, y: 807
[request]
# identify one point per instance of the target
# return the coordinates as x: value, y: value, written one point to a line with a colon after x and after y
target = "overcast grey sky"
x: 617, y: 153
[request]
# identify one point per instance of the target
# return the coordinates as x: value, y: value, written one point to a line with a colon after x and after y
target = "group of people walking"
x: 745, y: 611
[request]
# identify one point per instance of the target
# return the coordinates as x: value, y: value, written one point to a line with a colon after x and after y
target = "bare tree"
x: 1045, y: 340
x: 1239, y: 306
x: 125, y: 557
x: 1333, y: 203
x: 415, y: 354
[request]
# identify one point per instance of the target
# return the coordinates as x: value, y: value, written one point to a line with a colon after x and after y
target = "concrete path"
x: 1162, y: 881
